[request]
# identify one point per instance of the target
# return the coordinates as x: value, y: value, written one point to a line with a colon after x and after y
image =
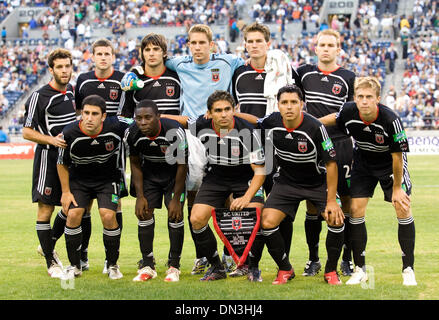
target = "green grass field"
x: 23, y: 272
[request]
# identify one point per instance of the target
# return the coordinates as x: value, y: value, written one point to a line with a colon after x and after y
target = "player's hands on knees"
x: 59, y: 142
x: 67, y: 198
x: 239, y: 204
x: 175, y: 210
x: 333, y: 214
x: 141, y: 209
x: 401, y: 200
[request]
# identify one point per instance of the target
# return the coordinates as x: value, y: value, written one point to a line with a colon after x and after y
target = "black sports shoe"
x: 312, y: 268
x: 346, y: 267
x: 214, y: 273
x: 254, y: 275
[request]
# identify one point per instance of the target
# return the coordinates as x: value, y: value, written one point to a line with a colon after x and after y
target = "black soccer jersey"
x: 231, y: 155
x: 325, y: 92
x: 161, y: 154
x: 248, y: 90
x: 301, y: 152
x: 109, y: 89
x: 164, y: 90
x: 94, y: 157
x: 376, y: 140
x: 49, y: 110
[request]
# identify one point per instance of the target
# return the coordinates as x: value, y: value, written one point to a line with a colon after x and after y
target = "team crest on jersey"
x: 235, y: 151
x: 164, y: 148
x: 109, y: 146
x: 379, y: 138
x: 302, y: 146
x: 48, y: 191
x: 215, y: 75
x: 114, y: 94
x: 236, y: 223
x: 336, y: 88
x: 170, y: 91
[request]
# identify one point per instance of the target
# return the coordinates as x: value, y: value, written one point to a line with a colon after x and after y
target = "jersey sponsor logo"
x: 101, y: 86
x: 109, y: 146
x: 289, y: 136
x: 114, y: 198
x: 367, y: 129
x: 259, y: 77
x: 156, y: 84
x: 336, y: 88
x: 48, y: 191
x: 94, y: 142
x: 399, y: 136
x: 327, y: 144
x: 66, y: 98
x: 302, y: 146
x: 170, y: 91
x: 379, y: 138
x: 215, y: 75
x: 153, y: 144
x: 325, y: 79
x: 114, y: 94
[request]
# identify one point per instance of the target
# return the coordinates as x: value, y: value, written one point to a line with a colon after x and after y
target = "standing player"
x: 201, y: 74
x: 48, y: 110
x: 88, y: 168
x: 235, y: 167
x: 158, y: 157
x: 307, y: 171
x: 379, y: 156
x: 326, y: 87
x: 103, y: 81
x: 159, y: 83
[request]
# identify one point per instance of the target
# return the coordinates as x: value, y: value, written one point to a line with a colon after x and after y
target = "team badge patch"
x: 170, y: 91
x: 336, y: 88
x: 302, y: 146
x: 235, y: 151
x: 114, y: 94
x: 164, y: 148
x: 215, y: 75
x: 379, y: 138
x: 109, y: 146
x: 237, y: 230
x: 47, y: 191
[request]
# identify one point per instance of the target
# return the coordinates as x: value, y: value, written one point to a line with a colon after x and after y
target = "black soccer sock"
x: 86, y: 234
x: 58, y: 226
x: 347, y: 250
x: 44, y: 233
x: 146, y: 238
x: 73, y: 238
x: 197, y: 251
x: 406, y: 238
x: 334, y: 243
x: 119, y: 219
x: 276, y: 248
x: 206, y: 242
x: 286, y: 230
x: 255, y: 254
x: 176, y: 239
x: 313, y: 227
x: 111, y: 239
x: 358, y: 240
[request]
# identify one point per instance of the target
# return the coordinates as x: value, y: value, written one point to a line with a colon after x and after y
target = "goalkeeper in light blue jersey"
x: 202, y: 73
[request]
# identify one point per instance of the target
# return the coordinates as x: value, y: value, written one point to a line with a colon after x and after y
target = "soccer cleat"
x: 54, y: 253
x: 172, y: 275
x: 85, y: 266
x: 145, y: 274
x: 200, y: 265
x: 229, y: 263
x: 105, y: 270
x: 346, y: 267
x: 55, y: 270
x: 312, y: 268
x: 254, y: 275
x: 332, y: 278
x: 408, y: 276
x: 357, y: 277
x: 114, y: 272
x: 71, y: 272
x: 239, y: 271
x: 284, y: 276
x: 214, y: 273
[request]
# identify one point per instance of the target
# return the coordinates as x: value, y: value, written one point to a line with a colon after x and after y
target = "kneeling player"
x: 89, y: 168
x: 304, y: 152
x: 158, y: 157
x: 235, y: 167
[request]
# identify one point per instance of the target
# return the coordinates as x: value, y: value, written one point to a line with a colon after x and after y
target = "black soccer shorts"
x: 286, y: 196
x: 364, y: 182
x: 106, y: 193
x: 214, y: 191
x: 46, y: 187
x: 344, y: 149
